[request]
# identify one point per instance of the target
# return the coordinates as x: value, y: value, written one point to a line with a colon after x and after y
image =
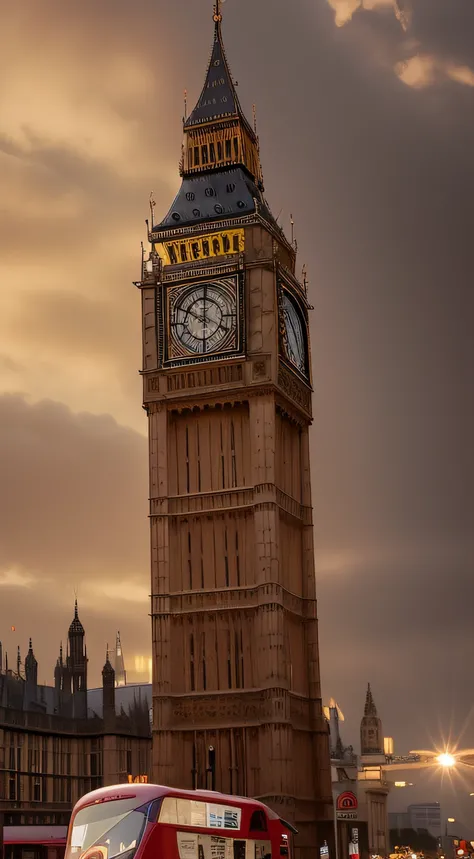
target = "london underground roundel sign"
x: 346, y: 806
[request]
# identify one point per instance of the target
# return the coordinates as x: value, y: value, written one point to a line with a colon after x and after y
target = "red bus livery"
x: 145, y: 821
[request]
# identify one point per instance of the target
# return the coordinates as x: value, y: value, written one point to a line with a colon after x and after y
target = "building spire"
x: 371, y: 733
x: 120, y: 673
x: 370, y: 709
x: 217, y: 15
x: 217, y: 132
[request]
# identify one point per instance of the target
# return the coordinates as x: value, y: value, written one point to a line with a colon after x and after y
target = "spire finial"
x: 152, y: 208
x: 76, y: 615
x: 217, y: 16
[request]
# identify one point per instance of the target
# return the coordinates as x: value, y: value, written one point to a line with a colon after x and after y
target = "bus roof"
x: 149, y: 792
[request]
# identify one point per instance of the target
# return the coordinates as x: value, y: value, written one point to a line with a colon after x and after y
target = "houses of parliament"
x: 59, y: 741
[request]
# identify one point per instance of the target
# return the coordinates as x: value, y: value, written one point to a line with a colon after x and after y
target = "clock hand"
x: 194, y: 315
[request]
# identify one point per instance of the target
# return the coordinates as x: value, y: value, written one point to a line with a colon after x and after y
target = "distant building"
x: 58, y: 742
x: 371, y: 734
x: 359, y: 787
x: 424, y: 816
x: 119, y: 666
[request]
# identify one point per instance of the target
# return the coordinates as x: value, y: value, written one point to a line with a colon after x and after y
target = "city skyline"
x: 391, y: 344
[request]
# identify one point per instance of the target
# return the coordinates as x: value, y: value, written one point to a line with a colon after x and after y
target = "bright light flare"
x: 446, y: 760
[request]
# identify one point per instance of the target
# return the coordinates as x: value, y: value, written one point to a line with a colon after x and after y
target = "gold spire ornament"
x: 217, y: 16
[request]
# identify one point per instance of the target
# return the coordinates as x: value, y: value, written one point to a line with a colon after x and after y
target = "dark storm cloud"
x: 375, y: 161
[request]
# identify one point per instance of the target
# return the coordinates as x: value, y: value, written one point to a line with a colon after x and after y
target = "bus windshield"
x: 107, y: 830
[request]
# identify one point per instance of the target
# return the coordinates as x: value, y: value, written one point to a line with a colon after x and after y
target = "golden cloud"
x: 423, y: 70
x: 345, y: 9
x: 15, y: 579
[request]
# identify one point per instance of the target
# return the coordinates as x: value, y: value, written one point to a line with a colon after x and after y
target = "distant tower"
x: 120, y: 673
x: 77, y: 663
x: 31, y: 678
x: 334, y: 717
x: 62, y: 686
x: 108, y: 694
x: 371, y: 734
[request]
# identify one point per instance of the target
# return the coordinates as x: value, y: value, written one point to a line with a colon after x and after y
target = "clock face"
x: 203, y: 319
x: 295, y: 342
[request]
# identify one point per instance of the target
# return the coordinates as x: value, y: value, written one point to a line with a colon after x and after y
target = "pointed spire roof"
x: 370, y: 708
x: 108, y: 668
x: 120, y: 673
x: 76, y: 627
x: 30, y: 658
x: 218, y: 99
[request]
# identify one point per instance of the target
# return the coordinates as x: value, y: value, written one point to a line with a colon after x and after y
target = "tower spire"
x: 370, y: 709
x: 371, y: 733
x: 217, y: 14
x: 120, y: 673
x: 217, y: 132
x: 220, y: 146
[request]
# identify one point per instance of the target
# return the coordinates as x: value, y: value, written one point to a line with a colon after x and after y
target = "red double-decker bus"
x: 145, y: 821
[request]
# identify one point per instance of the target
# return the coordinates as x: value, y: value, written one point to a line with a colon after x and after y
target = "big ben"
x: 227, y: 390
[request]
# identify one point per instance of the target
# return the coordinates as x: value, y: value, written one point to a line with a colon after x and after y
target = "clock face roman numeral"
x: 203, y: 319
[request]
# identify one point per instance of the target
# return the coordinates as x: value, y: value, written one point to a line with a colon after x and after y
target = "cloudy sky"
x: 366, y: 121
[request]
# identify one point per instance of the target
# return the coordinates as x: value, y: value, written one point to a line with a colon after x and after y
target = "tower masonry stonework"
x: 227, y: 390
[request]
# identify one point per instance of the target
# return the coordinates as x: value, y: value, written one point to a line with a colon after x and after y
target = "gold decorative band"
x: 202, y: 247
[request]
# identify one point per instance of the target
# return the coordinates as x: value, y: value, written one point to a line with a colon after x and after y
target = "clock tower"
x: 227, y: 389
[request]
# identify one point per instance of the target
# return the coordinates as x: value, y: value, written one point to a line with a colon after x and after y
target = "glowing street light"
x: 446, y: 760
x: 451, y: 820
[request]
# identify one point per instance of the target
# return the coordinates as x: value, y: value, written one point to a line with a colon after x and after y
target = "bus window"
x: 114, y: 828
x: 258, y: 822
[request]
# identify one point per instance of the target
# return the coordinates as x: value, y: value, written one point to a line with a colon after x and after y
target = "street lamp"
x: 446, y: 760
x: 449, y: 820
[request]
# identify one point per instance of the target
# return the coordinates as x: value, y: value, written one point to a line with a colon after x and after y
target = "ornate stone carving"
x: 153, y: 384
x: 259, y: 370
x: 260, y: 392
x: 220, y: 401
x: 294, y: 389
x: 258, y: 707
x: 226, y: 374
x: 265, y: 597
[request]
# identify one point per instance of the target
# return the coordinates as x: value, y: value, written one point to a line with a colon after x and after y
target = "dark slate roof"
x: 212, y: 196
x: 125, y: 696
x: 218, y: 99
x: 215, y: 196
